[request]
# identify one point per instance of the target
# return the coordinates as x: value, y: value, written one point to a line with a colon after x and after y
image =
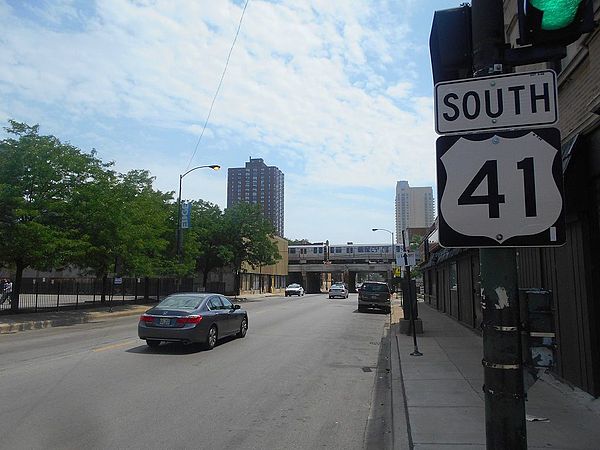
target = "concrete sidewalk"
x: 439, y: 402
x: 12, y: 323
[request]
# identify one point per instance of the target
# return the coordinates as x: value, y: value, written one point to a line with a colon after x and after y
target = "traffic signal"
x: 450, y: 44
x: 554, y: 22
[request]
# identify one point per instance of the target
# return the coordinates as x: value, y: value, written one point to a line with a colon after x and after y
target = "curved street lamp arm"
x: 211, y: 166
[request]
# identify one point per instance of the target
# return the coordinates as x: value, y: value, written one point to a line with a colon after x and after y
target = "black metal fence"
x: 43, y: 294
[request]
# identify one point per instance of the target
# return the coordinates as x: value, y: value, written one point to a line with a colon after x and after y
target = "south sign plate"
x: 500, y: 102
x: 501, y: 189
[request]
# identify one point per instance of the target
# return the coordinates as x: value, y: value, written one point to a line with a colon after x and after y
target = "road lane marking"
x: 113, y: 346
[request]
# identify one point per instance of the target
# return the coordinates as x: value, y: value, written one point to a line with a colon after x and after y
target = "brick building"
x: 259, y: 184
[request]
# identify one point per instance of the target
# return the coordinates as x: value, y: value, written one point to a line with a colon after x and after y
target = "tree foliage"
x: 250, y: 238
x: 205, y: 244
x: 39, y: 178
x: 299, y: 242
x: 61, y: 206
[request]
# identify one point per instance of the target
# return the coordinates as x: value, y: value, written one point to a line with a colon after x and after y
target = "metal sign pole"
x: 413, y: 306
x: 503, y: 378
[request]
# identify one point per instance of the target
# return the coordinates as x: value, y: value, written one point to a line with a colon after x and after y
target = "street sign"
x: 501, y: 189
x: 500, y: 102
x: 411, y: 257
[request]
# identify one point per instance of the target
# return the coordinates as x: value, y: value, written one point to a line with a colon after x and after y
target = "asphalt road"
x: 303, y: 378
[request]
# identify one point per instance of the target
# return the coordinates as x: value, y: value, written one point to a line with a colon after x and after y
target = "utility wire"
x: 212, y: 104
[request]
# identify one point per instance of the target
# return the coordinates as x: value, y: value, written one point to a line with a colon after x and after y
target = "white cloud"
x: 400, y: 90
x: 308, y: 81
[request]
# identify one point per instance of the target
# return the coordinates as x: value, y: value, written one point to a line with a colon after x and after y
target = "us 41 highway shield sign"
x: 501, y: 189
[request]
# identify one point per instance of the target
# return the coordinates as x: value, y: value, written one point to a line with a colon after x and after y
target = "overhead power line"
x: 212, y: 104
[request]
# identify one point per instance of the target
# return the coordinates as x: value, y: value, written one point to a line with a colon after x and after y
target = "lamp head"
x: 215, y: 167
x: 374, y: 229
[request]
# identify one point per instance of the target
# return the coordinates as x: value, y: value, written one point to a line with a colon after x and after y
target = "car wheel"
x: 152, y: 343
x: 330, y: 297
x: 211, y: 338
x: 243, y: 328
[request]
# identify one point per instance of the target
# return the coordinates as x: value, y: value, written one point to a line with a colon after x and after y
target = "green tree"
x: 298, y: 241
x: 415, y: 241
x: 126, y: 224
x: 147, y: 225
x: 39, y: 177
x: 205, y: 243
x: 249, y: 237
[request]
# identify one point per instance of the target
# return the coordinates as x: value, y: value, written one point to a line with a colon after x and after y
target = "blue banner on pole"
x: 186, y: 215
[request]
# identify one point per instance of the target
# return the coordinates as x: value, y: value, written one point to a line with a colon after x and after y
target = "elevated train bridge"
x: 316, y: 266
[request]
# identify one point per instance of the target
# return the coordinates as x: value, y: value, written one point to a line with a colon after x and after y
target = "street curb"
x: 402, y: 439
x: 7, y: 328
x: 95, y: 315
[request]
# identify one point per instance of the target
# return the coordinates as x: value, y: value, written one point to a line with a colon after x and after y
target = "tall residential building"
x: 414, y: 208
x: 259, y: 184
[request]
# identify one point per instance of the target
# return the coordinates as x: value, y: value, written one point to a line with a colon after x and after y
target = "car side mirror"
x: 236, y: 306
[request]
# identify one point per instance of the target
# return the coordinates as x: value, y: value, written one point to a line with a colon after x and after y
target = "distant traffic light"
x: 554, y: 22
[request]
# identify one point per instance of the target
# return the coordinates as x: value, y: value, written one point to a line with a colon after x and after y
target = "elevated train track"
x: 309, y: 264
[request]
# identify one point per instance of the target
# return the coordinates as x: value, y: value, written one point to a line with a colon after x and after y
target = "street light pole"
x: 210, y: 166
x: 393, y: 251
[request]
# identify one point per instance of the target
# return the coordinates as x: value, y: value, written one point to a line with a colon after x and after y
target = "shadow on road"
x: 371, y: 311
x: 176, y: 348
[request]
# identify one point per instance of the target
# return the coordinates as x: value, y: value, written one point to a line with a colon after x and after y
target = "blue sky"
x: 336, y: 93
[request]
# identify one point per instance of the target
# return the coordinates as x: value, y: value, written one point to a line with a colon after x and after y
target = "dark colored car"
x: 374, y: 294
x: 192, y: 318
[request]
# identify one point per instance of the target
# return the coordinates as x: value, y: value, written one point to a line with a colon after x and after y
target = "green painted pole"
x: 505, y: 424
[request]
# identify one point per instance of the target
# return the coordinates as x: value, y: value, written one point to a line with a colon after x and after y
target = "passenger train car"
x: 334, y: 253
x: 308, y: 253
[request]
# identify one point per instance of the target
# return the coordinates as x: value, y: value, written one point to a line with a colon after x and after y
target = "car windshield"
x: 181, y: 302
x: 375, y: 288
x: 293, y: 286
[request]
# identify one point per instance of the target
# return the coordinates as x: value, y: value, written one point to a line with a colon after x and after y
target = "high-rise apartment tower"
x: 414, y: 208
x: 259, y: 184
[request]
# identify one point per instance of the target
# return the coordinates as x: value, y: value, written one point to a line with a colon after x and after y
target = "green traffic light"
x: 557, y: 13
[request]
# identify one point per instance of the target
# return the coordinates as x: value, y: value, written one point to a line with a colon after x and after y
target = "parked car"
x: 338, y: 290
x: 192, y: 318
x: 294, y: 289
x: 374, y: 294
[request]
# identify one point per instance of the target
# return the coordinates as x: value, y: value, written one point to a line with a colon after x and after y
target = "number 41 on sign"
x: 501, y: 189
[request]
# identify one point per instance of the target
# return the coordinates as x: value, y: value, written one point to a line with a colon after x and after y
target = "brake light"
x: 189, y: 319
x: 146, y: 318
